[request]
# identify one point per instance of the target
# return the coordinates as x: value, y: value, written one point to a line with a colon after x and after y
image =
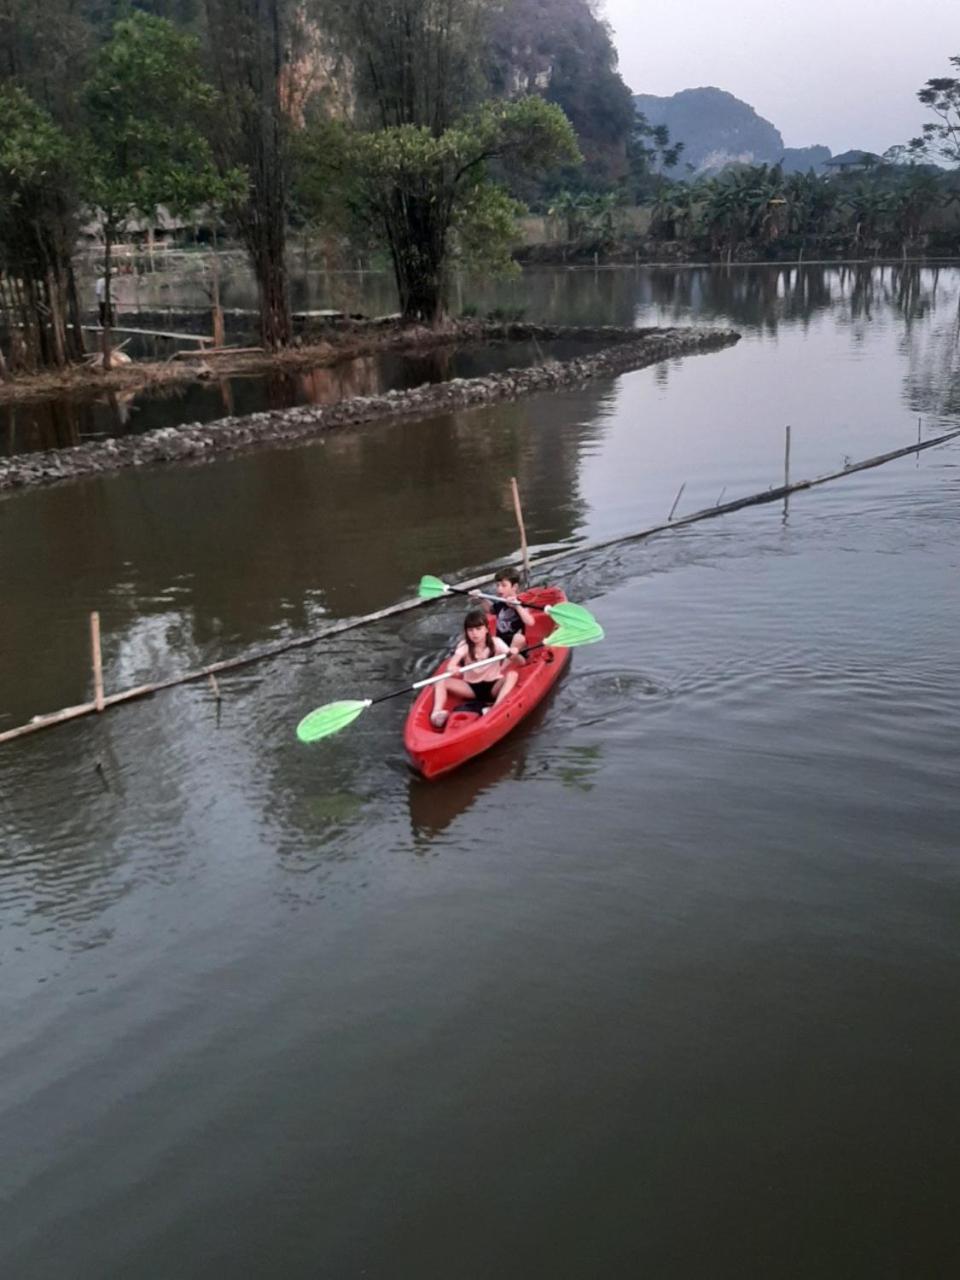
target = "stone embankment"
x: 622, y: 349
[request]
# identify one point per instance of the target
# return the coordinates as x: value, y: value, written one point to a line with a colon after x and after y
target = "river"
x: 664, y: 985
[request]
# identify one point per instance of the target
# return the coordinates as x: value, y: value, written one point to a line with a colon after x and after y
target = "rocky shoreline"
x: 624, y: 349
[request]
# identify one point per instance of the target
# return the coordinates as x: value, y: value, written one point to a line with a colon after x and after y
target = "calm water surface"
x: 663, y: 985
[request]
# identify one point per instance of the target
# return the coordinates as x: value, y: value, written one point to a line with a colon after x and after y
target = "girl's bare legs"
x: 459, y: 688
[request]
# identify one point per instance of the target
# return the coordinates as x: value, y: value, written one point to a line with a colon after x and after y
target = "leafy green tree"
x: 650, y: 154
x: 419, y: 172
x: 675, y: 211
x: 423, y: 191
x: 914, y: 198
x: 868, y: 208
x: 40, y: 172
x: 940, y: 139
x: 145, y: 102
x: 811, y: 202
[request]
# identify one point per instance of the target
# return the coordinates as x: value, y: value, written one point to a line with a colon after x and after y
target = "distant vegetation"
x: 416, y: 130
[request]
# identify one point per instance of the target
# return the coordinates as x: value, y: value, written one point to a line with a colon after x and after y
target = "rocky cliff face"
x: 718, y: 129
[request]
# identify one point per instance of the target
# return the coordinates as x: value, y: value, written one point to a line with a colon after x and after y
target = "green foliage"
x: 940, y: 139
x: 40, y: 173
x: 416, y: 187
x: 146, y: 102
x: 485, y: 225
x: 591, y: 219
x: 650, y: 153
x: 39, y: 168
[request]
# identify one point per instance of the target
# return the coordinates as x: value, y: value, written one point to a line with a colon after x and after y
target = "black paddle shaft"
x: 462, y: 591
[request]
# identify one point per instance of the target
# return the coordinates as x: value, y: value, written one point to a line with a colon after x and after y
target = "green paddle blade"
x: 431, y: 588
x: 330, y: 719
x: 567, y: 637
x: 572, y: 615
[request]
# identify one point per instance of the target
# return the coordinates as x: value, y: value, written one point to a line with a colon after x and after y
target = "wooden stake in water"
x: 786, y: 472
x: 523, y: 533
x: 676, y: 500
x: 97, y: 661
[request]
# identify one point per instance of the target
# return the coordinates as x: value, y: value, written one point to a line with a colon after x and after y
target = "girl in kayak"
x: 512, y: 617
x: 486, y: 685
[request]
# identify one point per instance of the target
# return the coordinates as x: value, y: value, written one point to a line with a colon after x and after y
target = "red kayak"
x: 467, y: 733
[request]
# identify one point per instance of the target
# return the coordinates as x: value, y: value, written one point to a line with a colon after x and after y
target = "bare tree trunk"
x: 77, y: 343
x: 58, y: 335
x: 107, y: 319
x: 251, y: 61
x: 6, y: 322
x: 218, y: 333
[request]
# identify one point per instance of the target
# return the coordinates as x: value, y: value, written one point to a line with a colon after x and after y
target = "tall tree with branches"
x: 418, y: 163
x: 252, y: 47
x: 940, y: 138
x: 145, y: 102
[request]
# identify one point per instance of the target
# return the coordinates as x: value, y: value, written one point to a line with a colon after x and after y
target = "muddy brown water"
x: 663, y: 985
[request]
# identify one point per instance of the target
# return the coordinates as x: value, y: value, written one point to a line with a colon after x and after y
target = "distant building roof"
x: 164, y: 221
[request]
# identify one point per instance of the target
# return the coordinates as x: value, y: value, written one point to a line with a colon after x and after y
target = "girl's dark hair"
x: 477, y: 618
x: 507, y: 574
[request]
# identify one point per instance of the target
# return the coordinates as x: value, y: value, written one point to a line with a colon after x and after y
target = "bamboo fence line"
x: 103, y: 702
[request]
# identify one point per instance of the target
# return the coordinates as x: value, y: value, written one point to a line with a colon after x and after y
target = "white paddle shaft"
x: 471, y: 666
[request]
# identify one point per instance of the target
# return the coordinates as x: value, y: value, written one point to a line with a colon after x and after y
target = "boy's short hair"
x: 507, y: 574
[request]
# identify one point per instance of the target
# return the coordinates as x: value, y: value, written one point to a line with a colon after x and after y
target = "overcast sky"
x: 840, y: 72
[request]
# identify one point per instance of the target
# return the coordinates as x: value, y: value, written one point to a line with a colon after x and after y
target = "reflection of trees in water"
x: 763, y: 298
x: 757, y: 298
x: 53, y: 424
x: 264, y: 543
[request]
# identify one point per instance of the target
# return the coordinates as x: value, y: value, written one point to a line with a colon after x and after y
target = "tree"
x: 419, y: 171
x: 418, y: 188
x: 811, y: 201
x: 39, y: 204
x: 650, y: 153
x: 941, y: 139
x: 913, y: 198
x: 145, y: 101
x: 415, y: 62
x: 252, y: 46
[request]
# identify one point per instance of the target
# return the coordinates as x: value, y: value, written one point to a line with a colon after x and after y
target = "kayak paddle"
x: 337, y: 715
x: 564, y: 614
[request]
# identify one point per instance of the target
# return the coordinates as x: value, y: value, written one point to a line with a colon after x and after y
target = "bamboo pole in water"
x: 786, y: 472
x: 523, y: 533
x: 97, y: 658
x: 404, y: 606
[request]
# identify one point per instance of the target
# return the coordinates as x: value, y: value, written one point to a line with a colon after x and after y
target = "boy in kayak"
x: 486, y: 685
x: 512, y: 617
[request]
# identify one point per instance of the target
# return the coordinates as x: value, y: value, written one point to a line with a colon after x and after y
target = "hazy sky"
x: 840, y: 72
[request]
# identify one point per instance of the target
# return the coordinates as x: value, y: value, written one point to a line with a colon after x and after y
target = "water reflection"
x: 434, y: 806
x: 70, y: 420
x: 922, y: 301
